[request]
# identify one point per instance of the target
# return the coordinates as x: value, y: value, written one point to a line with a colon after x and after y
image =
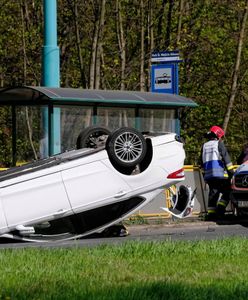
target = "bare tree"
x: 179, y: 24
x: 150, y: 37
x: 24, y: 10
x: 99, y: 50
x: 142, y: 47
x: 168, y: 24
x: 121, y: 42
x: 74, y: 9
x: 94, y: 49
x: 236, y: 68
x: 160, y: 22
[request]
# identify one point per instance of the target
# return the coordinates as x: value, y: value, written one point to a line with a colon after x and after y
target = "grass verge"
x: 135, y: 270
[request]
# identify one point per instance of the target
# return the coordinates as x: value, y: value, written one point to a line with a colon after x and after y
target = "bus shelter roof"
x: 44, y: 95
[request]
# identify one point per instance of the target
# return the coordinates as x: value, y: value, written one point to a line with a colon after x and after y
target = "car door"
x: 34, y: 197
x: 92, y: 184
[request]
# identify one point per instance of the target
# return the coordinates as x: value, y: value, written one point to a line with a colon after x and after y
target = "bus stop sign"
x: 164, y: 72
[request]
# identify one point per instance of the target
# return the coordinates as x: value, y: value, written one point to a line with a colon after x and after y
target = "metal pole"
x: 51, y: 75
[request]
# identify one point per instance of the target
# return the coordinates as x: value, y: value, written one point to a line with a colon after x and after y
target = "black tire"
x: 92, y: 137
x: 126, y: 147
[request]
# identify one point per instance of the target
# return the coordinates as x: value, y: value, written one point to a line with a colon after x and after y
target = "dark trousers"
x: 217, y: 187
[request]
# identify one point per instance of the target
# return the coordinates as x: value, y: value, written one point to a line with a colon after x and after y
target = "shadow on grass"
x: 135, y: 291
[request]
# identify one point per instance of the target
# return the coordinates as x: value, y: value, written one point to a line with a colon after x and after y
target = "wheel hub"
x: 128, y: 146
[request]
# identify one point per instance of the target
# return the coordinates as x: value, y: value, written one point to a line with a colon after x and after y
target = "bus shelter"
x: 37, y: 122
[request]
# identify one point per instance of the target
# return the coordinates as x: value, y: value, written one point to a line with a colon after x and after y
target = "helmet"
x: 219, y: 132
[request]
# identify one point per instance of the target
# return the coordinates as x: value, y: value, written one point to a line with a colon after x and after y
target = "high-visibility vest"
x: 212, y: 161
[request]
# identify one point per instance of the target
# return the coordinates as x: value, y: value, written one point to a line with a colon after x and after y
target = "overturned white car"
x: 83, y: 191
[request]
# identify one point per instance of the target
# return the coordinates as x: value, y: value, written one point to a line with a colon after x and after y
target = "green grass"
x: 136, y: 270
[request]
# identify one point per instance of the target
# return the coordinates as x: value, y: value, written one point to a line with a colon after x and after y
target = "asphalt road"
x: 195, y: 230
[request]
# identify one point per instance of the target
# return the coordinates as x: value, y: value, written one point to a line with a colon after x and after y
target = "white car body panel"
x: 81, y: 180
x: 34, y: 200
x: 3, y: 222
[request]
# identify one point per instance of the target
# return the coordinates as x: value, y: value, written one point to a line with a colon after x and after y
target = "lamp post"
x: 51, y: 77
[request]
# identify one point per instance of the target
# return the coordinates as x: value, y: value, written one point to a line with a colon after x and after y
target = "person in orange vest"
x: 217, y: 172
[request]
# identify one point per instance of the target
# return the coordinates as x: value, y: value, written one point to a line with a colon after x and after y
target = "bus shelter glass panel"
x: 73, y: 120
x: 157, y: 120
x: 5, y: 136
x: 115, y: 117
x: 31, y: 134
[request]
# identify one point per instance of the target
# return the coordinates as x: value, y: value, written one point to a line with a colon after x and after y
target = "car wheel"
x: 92, y: 137
x: 126, y: 147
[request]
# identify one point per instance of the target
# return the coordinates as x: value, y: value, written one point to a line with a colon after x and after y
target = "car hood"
x: 242, y: 168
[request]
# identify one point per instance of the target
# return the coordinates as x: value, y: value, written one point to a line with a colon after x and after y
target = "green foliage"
x: 208, y: 44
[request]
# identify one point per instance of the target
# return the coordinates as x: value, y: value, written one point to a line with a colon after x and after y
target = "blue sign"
x: 164, y: 72
x: 163, y: 77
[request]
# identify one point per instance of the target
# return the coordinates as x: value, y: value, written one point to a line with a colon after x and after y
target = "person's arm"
x: 226, y: 157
